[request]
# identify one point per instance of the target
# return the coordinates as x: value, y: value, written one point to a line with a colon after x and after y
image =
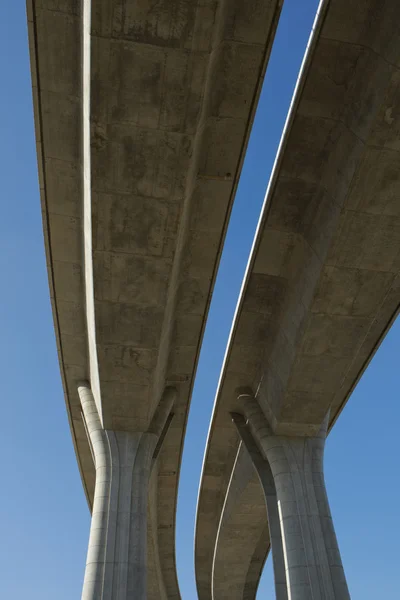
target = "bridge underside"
x: 323, y: 282
x: 142, y: 112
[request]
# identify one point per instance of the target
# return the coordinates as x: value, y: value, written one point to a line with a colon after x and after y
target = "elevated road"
x: 142, y: 111
x: 322, y: 286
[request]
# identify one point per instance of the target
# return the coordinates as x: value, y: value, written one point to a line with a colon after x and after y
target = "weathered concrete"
x: 116, y: 565
x: 239, y: 565
x: 322, y: 285
x: 311, y: 553
x: 267, y: 482
x: 142, y: 112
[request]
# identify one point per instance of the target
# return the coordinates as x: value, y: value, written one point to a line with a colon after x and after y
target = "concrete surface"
x: 116, y: 565
x: 311, y: 553
x: 142, y: 113
x: 236, y: 561
x: 266, y: 478
x: 322, y: 285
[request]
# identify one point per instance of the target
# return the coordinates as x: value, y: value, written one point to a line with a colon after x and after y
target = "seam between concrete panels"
x: 87, y: 207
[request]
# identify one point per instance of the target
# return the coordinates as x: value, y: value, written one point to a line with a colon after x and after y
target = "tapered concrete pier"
x: 312, y: 559
x: 268, y: 485
x: 116, y: 566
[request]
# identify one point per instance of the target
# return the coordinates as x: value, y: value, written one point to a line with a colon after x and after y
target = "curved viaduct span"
x: 322, y: 288
x: 142, y: 110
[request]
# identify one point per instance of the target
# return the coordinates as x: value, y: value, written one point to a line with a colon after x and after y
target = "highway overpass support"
x: 116, y: 566
x: 268, y: 485
x: 301, y: 526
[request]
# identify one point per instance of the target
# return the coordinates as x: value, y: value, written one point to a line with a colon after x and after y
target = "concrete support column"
x: 313, y: 564
x: 116, y: 561
x: 267, y: 482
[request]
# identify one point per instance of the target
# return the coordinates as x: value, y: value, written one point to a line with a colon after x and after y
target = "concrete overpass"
x: 322, y: 288
x: 142, y: 112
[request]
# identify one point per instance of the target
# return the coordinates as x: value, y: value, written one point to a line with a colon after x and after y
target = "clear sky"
x: 44, y: 519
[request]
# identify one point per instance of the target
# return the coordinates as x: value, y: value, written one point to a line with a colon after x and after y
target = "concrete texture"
x: 116, y: 565
x: 239, y: 564
x: 142, y: 115
x: 311, y: 553
x: 323, y: 283
x: 267, y: 482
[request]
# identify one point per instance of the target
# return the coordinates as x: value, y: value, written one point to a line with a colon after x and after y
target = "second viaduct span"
x: 322, y: 288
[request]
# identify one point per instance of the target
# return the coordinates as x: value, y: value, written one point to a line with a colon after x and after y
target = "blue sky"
x: 44, y: 519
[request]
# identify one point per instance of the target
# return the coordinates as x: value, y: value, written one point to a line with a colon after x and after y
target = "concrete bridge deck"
x: 322, y: 285
x: 142, y: 112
